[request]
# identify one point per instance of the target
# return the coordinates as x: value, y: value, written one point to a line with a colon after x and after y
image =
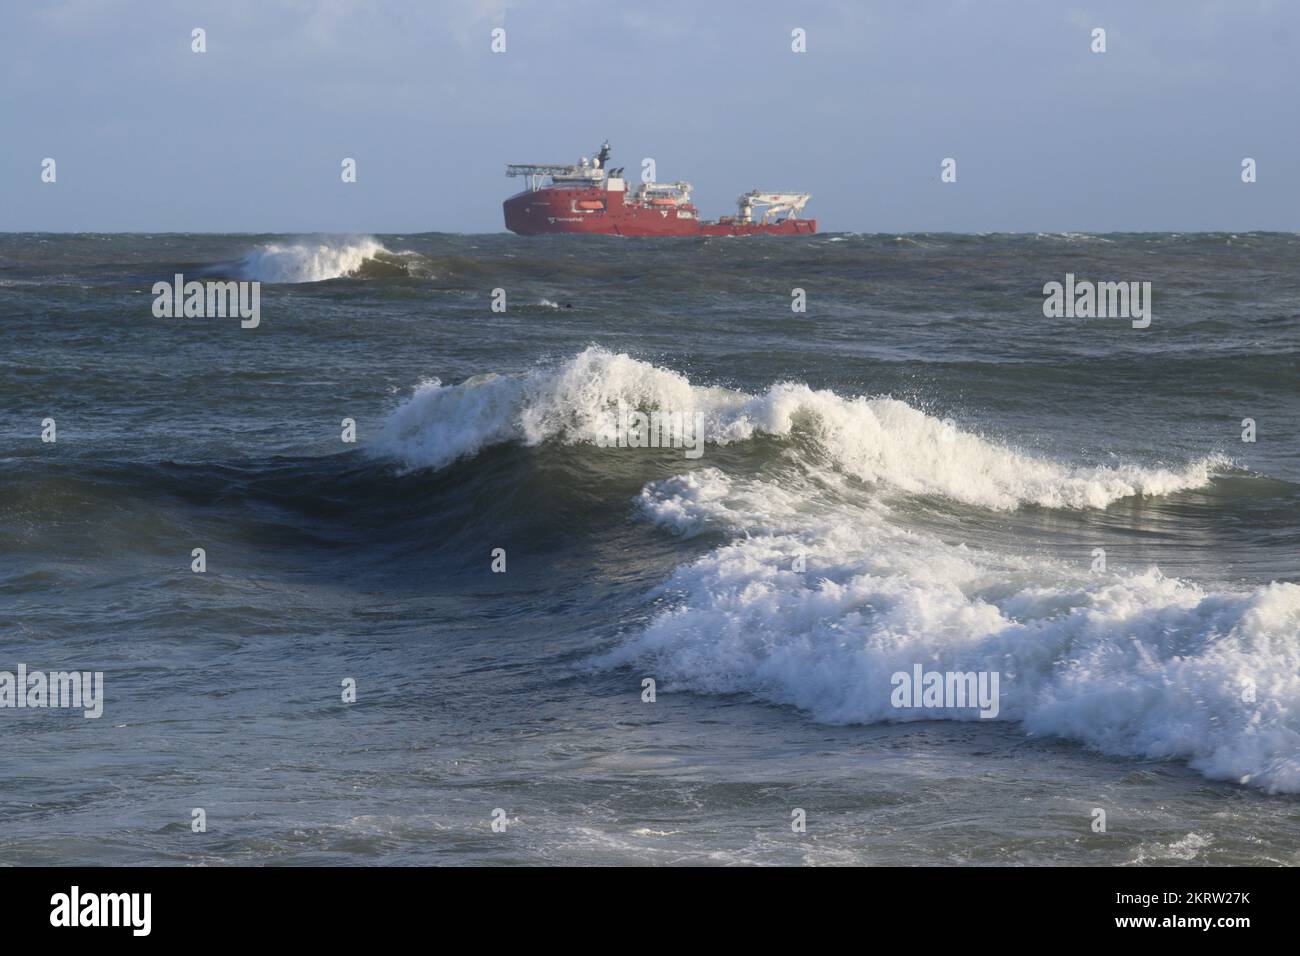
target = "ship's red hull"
x: 553, y: 210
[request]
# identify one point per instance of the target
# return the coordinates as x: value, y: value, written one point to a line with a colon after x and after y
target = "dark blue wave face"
x: 373, y: 560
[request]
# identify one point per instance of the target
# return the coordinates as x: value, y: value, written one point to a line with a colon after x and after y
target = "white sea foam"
x: 307, y: 261
x: 874, y: 439
x: 1131, y: 664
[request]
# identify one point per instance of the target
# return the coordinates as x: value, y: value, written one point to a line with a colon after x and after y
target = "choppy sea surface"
x: 918, y: 470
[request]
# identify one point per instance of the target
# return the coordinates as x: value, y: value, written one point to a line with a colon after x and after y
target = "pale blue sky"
x: 1048, y: 135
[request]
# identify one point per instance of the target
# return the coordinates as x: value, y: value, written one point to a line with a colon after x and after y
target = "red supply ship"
x: 591, y: 198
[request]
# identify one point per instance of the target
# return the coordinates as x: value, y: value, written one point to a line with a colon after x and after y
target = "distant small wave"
x: 317, y: 261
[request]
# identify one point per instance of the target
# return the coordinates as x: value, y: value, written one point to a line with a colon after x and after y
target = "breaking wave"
x: 309, y: 261
x: 1131, y: 664
x: 877, y: 440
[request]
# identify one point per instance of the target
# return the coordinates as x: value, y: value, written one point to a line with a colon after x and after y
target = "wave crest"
x: 307, y: 261
x: 879, y: 440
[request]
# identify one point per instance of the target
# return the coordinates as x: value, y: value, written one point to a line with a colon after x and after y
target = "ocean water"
x: 917, y: 470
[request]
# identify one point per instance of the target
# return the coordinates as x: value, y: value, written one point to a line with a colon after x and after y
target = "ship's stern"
x: 526, y: 213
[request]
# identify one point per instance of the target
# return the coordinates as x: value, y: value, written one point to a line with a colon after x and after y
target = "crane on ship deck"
x: 772, y: 204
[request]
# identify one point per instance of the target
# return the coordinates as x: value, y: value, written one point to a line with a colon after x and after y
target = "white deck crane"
x: 774, y: 204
